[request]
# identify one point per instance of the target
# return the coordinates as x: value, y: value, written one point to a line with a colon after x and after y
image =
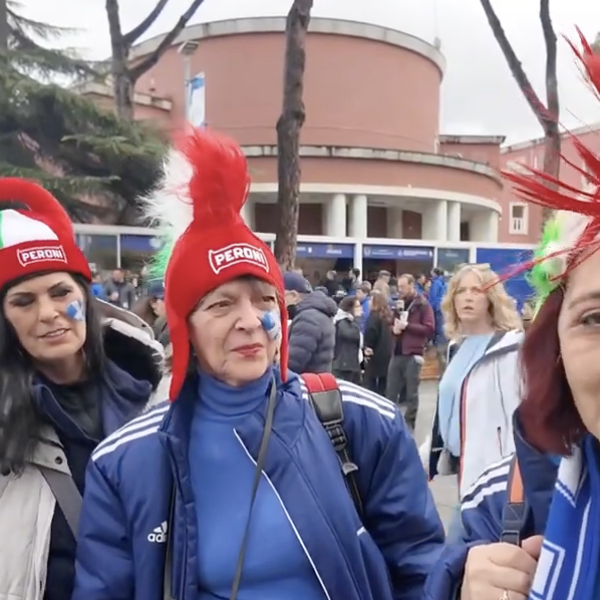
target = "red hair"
x: 550, y: 420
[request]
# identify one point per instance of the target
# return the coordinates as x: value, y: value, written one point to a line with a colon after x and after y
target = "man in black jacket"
x: 311, y: 333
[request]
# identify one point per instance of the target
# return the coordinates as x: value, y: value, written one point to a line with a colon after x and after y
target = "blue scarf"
x: 471, y: 350
x: 569, y: 561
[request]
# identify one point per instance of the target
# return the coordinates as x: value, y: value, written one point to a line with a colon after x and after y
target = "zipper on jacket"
x: 171, y: 526
x: 499, y: 434
x: 287, y: 515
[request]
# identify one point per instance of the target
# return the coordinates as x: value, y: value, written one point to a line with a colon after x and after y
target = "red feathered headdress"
x: 205, y: 185
x: 36, y: 234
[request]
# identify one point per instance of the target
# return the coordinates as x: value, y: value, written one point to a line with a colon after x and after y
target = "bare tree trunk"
x: 548, y: 114
x: 3, y: 26
x: 552, y: 139
x: 122, y: 85
x: 124, y: 76
x: 289, y: 125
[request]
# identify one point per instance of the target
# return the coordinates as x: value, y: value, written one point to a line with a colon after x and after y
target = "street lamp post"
x: 187, y: 50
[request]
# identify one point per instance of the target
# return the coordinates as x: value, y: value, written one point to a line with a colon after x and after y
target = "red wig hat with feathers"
x: 198, y: 206
x: 36, y: 234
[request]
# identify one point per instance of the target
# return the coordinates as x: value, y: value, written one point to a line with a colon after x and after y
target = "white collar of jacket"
x: 341, y: 315
x: 510, y: 341
x: 129, y: 342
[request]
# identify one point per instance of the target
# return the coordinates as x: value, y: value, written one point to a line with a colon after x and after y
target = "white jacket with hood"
x: 491, y: 392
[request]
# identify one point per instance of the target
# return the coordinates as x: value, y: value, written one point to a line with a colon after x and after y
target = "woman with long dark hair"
x: 69, y: 377
x: 378, y: 343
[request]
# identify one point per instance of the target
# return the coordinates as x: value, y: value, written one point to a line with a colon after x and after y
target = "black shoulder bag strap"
x: 326, y: 400
x: 66, y: 494
x: 262, y: 454
x: 514, y: 513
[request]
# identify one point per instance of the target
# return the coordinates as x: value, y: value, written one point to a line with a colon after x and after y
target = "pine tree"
x: 94, y: 162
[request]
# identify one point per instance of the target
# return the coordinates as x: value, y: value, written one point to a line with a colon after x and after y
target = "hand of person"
x: 114, y: 296
x: 501, y: 571
x: 368, y: 351
x: 397, y: 328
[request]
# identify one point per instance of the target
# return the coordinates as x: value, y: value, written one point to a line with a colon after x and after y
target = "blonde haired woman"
x: 480, y: 388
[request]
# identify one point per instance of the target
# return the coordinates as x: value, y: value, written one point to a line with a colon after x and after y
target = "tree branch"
x: 114, y: 27
x: 552, y: 140
x: 147, y: 63
x: 3, y: 26
x: 288, y: 128
x: 132, y: 36
x: 552, y: 102
x: 514, y: 64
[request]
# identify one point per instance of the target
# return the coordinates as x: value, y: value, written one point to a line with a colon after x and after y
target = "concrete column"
x: 358, y: 217
x: 247, y: 213
x: 395, y: 228
x: 483, y: 227
x: 493, y: 226
x: 435, y: 221
x: 454, y: 221
x: 335, y: 216
x: 358, y: 258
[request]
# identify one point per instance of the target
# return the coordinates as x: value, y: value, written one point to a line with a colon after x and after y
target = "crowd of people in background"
x: 375, y: 334
x: 379, y: 333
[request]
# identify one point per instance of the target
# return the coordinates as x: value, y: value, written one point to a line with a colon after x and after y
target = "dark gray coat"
x: 312, y: 335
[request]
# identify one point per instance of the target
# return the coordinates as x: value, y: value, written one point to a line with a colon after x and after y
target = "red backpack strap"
x: 325, y: 398
x: 514, y: 514
x: 320, y: 382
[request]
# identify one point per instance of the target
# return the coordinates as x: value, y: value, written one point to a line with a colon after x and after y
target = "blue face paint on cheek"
x: 271, y: 322
x: 76, y: 310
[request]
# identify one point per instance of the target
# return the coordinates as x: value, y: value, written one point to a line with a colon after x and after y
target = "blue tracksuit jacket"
x: 130, y: 481
x: 481, y: 512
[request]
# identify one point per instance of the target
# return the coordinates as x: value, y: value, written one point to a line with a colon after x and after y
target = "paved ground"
x: 444, y: 488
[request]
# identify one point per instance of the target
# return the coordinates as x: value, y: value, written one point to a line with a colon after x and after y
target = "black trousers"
x: 404, y: 377
x: 375, y: 384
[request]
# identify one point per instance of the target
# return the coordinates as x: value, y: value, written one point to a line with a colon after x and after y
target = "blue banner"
x: 398, y: 252
x: 325, y: 250
x: 91, y: 242
x: 505, y: 260
x: 197, y: 100
x: 140, y: 244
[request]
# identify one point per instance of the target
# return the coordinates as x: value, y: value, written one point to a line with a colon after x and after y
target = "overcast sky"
x: 479, y: 94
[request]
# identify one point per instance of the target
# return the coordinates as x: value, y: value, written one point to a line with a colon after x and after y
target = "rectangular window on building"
x: 518, y: 224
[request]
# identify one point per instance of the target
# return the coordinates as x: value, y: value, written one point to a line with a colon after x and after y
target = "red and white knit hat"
x: 37, y: 239
x: 198, y: 205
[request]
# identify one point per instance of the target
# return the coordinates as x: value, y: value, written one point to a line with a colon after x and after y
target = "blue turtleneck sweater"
x: 222, y: 473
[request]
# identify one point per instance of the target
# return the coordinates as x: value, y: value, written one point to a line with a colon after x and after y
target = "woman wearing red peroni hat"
x: 68, y: 378
x: 532, y: 521
x: 234, y: 490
